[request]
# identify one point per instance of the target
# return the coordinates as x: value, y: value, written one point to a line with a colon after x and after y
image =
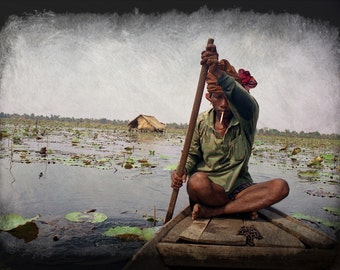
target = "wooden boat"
x: 273, y: 241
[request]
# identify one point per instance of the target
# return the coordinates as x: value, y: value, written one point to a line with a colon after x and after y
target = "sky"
x: 78, y: 59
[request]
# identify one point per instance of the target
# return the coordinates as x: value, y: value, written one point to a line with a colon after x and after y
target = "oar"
x: 188, y: 138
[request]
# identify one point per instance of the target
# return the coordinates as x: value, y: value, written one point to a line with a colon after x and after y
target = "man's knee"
x: 280, y: 188
x: 197, y: 181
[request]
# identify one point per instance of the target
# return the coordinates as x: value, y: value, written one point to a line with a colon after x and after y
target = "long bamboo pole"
x: 188, y: 138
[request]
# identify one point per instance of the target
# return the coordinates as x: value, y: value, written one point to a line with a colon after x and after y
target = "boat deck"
x: 273, y: 241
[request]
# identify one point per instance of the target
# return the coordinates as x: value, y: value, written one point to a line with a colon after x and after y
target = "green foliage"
x: 333, y: 210
x: 92, y: 217
x: 11, y: 221
x: 170, y: 167
x: 128, y: 233
x: 332, y: 224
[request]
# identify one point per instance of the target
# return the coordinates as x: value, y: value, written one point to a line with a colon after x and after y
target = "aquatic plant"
x: 331, y: 224
x: 11, y: 221
x: 92, y: 217
x: 128, y: 233
x: 333, y: 210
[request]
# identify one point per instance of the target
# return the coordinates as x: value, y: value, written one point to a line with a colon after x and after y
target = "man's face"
x: 219, y: 102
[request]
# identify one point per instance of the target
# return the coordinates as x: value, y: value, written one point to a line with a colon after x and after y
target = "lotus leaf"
x: 328, y: 157
x: 170, y: 167
x: 321, y: 193
x: 332, y: 210
x: 131, y: 233
x: 330, y: 224
x: 316, y: 161
x: 125, y: 232
x: 307, y: 217
x: 128, y: 166
x: 92, y: 217
x: 259, y: 143
x: 309, y: 174
x: 11, y: 221
x: 296, y: 151
x: 148, y: 233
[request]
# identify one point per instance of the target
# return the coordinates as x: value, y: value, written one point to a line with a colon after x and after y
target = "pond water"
x: 126, y: 176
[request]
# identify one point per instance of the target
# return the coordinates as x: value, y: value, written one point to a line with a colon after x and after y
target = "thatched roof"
x: 146, y: 123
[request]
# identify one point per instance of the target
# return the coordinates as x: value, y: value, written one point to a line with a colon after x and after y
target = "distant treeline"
x: 301, y: 134
x: 115, y: 122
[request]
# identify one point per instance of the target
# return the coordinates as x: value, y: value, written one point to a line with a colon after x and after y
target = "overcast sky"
x: 96, y: 65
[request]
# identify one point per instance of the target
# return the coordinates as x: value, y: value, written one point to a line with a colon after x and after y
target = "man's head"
x: 242, y: 76
x: 218, y: 101
x: 227, y: 68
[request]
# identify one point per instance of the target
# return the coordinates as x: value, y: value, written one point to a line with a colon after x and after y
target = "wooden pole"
x: 188, y: 138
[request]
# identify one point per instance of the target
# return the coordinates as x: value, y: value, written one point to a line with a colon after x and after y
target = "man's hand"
x: 209, y: 57
x: 177, y: 181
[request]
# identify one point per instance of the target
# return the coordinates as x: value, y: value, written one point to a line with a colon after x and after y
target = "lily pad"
x: 306, y: 217
x: 296, y: 150
x: 309, y: 174
x: 128, y: 233
x: 333, y: 210
x: 331, y: 224
x: 120, y: 230
x: 315, y: 162
x: 328, y: 157
x: 148, y: 233
x: 11, y: 221
x: 321, y: 193
x: 170, y: 167
x: 92, y: 217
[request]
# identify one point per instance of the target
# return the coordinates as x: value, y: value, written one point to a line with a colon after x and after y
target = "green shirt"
x: 225, y: 158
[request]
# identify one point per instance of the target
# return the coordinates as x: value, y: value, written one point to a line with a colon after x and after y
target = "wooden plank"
x: 223, y: 232
x: 245, y: 257
x: 195, y: 230
x: 173, y: 236
x: 308, y: 235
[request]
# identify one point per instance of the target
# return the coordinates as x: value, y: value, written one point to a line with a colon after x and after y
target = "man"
x: 219, y: 182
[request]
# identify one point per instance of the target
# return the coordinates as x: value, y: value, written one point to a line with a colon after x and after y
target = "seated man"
x: 217, y: 165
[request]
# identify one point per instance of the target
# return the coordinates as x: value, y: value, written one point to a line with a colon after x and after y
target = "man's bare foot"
x: 201, y: 211
x: 254, y: 215
x: 198, y: 211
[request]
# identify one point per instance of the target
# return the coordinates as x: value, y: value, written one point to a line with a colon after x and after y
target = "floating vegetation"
x: 315, y: 162
x: 296, y: 151
x: 87, y: 216
x: 153, y: 219
x: 309, y: 174
x: 11, y: 221
x: 329, y: 158
x: 321, y: 193
x: 170, y: 167
x: 128, y: 233
x: 331, y: 224
x: 333, y: 210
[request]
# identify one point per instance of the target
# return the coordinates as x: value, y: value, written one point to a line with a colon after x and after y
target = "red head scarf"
x: 247, y: 80
x: 243, y: 77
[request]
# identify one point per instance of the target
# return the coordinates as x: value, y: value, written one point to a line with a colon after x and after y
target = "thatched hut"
x: 146, y: 123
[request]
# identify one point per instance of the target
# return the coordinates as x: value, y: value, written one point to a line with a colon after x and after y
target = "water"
x: 126, y: 196
x: 118, y: 67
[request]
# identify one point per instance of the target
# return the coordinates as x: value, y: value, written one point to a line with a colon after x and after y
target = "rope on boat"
x: 251, y: 233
